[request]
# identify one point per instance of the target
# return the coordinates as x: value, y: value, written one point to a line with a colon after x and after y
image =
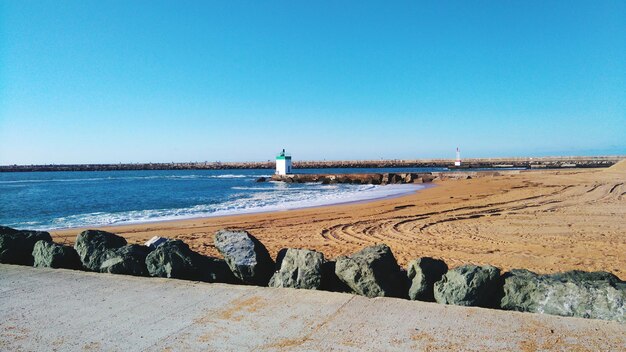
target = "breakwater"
x: 371, y: 272
x: 367, y: 178
x: 528, y: 163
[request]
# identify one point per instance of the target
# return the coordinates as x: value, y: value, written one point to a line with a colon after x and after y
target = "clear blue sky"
x: 139, y: 81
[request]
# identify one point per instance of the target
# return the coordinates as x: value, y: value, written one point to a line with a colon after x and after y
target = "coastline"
x: 544, y: 220
x: 252, y: 211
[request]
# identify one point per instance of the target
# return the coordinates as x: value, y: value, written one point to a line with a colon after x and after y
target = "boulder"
x: 174, y: 259
x: 376, y: 179
x: 16, y: 246
x: 212, y: 269
x: 91, y: 246
x: 52, y: 255
x: 126, y: 260
x: 261, y: 179
x: 330, y: 280
x: 469, y: 285
x: 247, y: 258
x: 372, y: 272
x: 596, y: 295
x: 298, y: 268
x: 423, y: 273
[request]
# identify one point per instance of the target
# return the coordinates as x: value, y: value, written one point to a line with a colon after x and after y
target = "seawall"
x: 367, y: 178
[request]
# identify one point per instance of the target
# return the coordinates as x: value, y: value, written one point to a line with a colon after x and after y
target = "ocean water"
x: 53, y: 200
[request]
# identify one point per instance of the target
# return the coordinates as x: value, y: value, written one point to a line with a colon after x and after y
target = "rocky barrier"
x: 371, y: 272
x: 367, y: 178
x: 525, y: 162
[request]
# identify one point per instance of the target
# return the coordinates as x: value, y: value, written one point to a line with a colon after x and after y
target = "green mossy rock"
x: 469, y: 285
x: 423, y: 273
x: 298, y: 268
x: 16, y: 246
x: 92, y: 245
x: 126, y: 260
x: 52, y: 255
x: 597, y: 295
x: 373, y: 272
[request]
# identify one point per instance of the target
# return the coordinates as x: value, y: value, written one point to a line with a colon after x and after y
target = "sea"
x: 56, y: 200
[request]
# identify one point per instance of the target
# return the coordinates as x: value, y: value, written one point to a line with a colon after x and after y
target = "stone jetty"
x: 367, y: 178
x: 471, y: 163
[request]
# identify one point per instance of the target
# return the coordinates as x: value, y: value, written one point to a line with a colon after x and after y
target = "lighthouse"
x: 283, y: 163
x: 457, y: 162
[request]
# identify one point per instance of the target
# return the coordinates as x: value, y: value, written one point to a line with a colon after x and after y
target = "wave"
x: 275, y: 199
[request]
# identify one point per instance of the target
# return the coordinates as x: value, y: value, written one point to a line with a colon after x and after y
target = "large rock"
x: 52, y: 255
x: 16, y: 247
x: 212, y: 269
x: 174, y: 259
x: 330, y: 280
x: 597, y: 295
x: 372, y: 272
x: 298, y: 268
x: 92, y: 246
x: 469, y: 285
x: 423, y: 273
x: 247, y: 258
x: 126, y: 260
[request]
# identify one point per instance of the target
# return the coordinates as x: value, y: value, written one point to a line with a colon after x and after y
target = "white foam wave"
x: 275, y: 199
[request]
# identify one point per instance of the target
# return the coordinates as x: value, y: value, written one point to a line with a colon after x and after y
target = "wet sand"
x: 545, y: 221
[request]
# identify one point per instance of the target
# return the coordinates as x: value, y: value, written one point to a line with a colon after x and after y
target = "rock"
x: 376, y: 179
x: 372, y: 272
x: 91, y: 245
x: 469, y: 285
x: 596, y: 295
x: 5, y: 230
x: 423, y: 273
x: 52, y: 255
x: 174, y: 259
x: 298, y: 268
x: 155, y: 241
x: 330, y: 280
x: 261, y: 179
x: 16, y: 246
x: 215, y: 270
x: 126, y: 260
x: 394, y: 178
x: 247, y: 258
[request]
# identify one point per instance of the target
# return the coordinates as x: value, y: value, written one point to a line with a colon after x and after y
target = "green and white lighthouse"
x: 283, y: 163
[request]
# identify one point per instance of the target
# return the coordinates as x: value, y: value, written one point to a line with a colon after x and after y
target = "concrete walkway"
x: 64, y: 310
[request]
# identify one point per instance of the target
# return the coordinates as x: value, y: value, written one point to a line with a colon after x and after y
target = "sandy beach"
x: 545, y: 221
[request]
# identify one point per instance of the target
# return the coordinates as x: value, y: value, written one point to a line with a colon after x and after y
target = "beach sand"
x: 545, y: 221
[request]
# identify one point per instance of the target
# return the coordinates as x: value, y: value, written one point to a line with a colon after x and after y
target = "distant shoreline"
x: 475, y: 163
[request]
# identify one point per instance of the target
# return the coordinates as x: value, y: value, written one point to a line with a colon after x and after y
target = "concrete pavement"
x: 64, y: 310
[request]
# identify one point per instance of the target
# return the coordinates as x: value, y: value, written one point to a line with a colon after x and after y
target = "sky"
x: 170, y: 81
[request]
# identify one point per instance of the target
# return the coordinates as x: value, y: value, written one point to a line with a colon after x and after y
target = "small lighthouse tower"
x: 283, y: 163
x: 457, y: 162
